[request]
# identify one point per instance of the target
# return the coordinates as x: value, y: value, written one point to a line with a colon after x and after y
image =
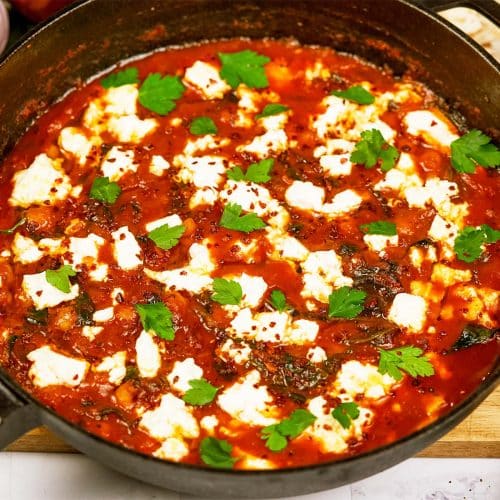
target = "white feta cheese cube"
x: 115, y: 366
x: 126, y: 249
x: 148, y: 357
x: 117, y: 163
x: 433, y: 129
x: 158, y: 165
x: 182, y: 373
x: 409, y: 312
x: 305, y: 195
x: 206, y: 79
x: 43, y: 294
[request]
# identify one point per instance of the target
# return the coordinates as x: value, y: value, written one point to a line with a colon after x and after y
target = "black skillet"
x: 95, y: 34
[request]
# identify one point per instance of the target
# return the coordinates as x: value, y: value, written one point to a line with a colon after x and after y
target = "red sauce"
x: 201, y: 325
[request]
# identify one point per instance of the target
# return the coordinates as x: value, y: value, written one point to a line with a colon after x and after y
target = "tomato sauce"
x: 113, y: 411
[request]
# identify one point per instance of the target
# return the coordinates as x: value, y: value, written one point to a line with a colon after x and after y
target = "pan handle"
x: 16, y: 416
x: 488, y: 8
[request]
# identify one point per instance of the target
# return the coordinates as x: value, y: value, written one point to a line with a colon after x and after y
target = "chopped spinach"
x: 37, y: 317
x: 85, y: 309
x: 472, y: 335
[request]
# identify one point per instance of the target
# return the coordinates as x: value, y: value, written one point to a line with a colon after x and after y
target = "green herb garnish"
x: 356, y: 93
x: 245, y: 67
x: 471, y: 149
x: 373, y: 148
x: 201, y: 393
x: 277, y: 435
x: 408, y: 358
x: 232, y: 219
x: 217, y: 453
x: 157, y: 317
x: 158, y: 94
x: 345, y: 413
x: 256, y: 172
x: 166, y: 236
x: 470, y: 240
x: 105, y: 191
x: 272, y: 109
x: 278, y: 300
x: 125, y: 77
x: 226, y: 291
x: 203, y: 125
x: 19, y: 223
x: 59, y: 278
x: 346, y: 302
x: 380, y: 227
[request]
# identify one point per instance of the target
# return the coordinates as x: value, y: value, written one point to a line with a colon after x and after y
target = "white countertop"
x: 58, y: 476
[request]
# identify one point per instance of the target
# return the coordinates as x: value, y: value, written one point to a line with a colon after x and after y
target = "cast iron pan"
x: 95, y: 34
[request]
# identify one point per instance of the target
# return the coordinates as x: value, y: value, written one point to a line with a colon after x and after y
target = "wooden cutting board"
x: 477, y: 436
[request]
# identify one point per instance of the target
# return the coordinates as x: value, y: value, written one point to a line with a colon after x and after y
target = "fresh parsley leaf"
x: 166, y: 236
x: 226, y: 291
x: 217, y: 453
x: 236, y: 174
x: 470, y: 240
x: 356, y: 93
x: 157, y: 317
x: 125, y: 77
x: 256, y: 172
x: 346, y: 302
x: 345, y: 413
x: 105, y: 191
x: 203, y: 125
x: 276, y: 435
x: 245, y: 67
x: 159, y: 94
x: 201, y: 393
x: 373, y: 148
x: 272, y: 109
x: 59, y: 278
x: 232, y: 219
x: 19, y: 223
x: 491, y: 235
x: 473, y: 147
x: 278, y: 300
x: 380, y: 227
x: 408, y: 358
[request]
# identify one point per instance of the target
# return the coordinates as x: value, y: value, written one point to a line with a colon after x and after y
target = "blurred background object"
x: 482, y: 30
x: 4, y: 26
x: 38, y: 10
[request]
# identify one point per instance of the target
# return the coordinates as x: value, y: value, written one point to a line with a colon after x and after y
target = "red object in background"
x: 38, y: 10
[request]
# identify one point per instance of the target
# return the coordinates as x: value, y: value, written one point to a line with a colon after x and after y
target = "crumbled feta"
x: 480, y: 305
x: 379, y: 242
x: 147, y: 355
x: 85, y: 250
x: 203, y: 196
x: 434, y: 130
x: 74, y: 141
x: 182, y: 373
x: 194, y: 277
x: 43, y: 181
x: 274, y: 122
x: 117, y: 163
x: 209, y: 423
x: 285, y: 247
x: 356, y: 379
x: 327, y: 431
x: 449, y: 276
x: 428, y: 290
x: 169, y: 220
x: 121, y: 100
x: 273, y: 327
x: 402, y: 177
x: 316, y: 355
x: 172, y: 449
x: 25, y: 250
x: 334, y: 157
x: 130, y: 128
x: 253, y: 289
x: 158, y: 165
x: 52, y: 368
x: 342, y: 203
x: 90, y: 332
x: 305, y: 195
x: 126, y: 249
x: 445, y: 233
x: 239, y: 352
x: 43, y: 294
x: 103, y: 315
x: 202, y: 171
x: 436, y: 191
x: 272, y: 141
x: 203, y: 143
x: 171, y: 423
x: 419, y: 255
x: 248, y: 401
x: 205, y: 78
x: 322, y: 271
x: 115, y: 366
x: 408, y: 311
